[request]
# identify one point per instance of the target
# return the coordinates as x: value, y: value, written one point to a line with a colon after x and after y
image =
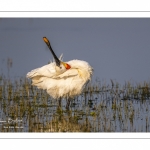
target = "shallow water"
x: 100, y: 108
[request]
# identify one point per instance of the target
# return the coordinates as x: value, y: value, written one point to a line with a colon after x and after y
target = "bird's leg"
x: 59, y: 109
x: 59, y: 102
x: 67, y: 103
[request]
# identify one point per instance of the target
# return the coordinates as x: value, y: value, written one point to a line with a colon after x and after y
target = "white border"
x: 76, y: 135
x: 74, y: 5
x: 74, y: 14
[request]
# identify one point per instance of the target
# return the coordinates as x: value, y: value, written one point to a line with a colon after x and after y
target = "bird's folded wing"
x: 68, y: 73
x: 47, y: 71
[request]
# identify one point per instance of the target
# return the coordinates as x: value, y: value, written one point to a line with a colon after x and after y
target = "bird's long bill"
x: 54, y: 55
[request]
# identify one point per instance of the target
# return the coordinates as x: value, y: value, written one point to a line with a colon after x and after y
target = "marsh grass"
x: 100, y: 108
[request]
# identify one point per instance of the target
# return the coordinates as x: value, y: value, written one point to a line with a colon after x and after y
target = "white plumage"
x: 61, y: 79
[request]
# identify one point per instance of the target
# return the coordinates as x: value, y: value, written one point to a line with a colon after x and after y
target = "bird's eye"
x: 60, y: 67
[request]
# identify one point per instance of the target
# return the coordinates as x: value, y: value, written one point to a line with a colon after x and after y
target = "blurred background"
x: 117, y: 48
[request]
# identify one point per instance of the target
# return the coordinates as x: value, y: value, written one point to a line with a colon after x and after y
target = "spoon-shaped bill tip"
x: 46, y: 41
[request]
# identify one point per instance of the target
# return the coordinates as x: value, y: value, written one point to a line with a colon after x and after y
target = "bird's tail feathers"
x: 39, y: 82
x: 32, y: 73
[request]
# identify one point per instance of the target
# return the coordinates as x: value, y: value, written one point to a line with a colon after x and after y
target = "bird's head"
x: 60, y: 65
x: 67, y: 66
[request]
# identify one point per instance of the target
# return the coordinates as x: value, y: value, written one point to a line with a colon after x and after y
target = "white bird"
x: 61, y: 79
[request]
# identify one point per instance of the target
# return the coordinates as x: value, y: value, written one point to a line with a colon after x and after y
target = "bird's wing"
x: 47, y: 71
x: 68, y: 73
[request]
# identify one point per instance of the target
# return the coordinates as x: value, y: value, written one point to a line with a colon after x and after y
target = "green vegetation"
x: 100, y: 108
